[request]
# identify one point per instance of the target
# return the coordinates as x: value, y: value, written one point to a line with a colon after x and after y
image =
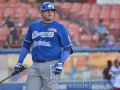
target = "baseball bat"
x: 15, y: 73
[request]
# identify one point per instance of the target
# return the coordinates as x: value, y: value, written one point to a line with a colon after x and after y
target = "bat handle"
x: 23, y: 67
x: 21, y: 70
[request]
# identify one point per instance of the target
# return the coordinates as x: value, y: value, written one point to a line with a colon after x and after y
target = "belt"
x: 42, y: 61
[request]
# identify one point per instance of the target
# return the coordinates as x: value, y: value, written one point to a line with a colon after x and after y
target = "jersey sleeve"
x: 28, y: 37
x: 106, y: 31
x: 64, y: 37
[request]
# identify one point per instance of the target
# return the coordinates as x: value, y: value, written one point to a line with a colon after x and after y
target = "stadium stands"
x: 24, y: 30
x: 65, y: 22
x: 2, y: 1
x: 4, y: 32
x: 76, y: 7
x: 72, y: 15
x: 95, y: 39
x: 73, y: 30
x: 58, y: 6
x: 86, y: 40
x: 65, y: 12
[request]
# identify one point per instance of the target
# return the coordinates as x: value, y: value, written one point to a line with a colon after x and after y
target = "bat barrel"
x: 15, y: 72
x: 5, y: 79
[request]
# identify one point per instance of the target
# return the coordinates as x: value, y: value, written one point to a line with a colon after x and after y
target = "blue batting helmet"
x: 47, y: 6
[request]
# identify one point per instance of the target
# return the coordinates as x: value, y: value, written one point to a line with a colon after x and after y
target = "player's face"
x: 48, y: 15
x: 117, y: 64
x: 101, y: 24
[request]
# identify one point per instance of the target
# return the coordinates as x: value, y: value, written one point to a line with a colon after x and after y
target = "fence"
x: 85, y: 67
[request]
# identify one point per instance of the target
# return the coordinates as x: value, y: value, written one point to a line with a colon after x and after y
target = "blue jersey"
x: 47, y: 41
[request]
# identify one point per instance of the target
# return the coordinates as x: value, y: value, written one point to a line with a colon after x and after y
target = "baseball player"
x: 115, y: 75
x: 51, y: 45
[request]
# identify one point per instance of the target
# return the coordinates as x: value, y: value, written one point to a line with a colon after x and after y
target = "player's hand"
x: 58, y: 68
x: 113, y: 76
x: 18, y: 66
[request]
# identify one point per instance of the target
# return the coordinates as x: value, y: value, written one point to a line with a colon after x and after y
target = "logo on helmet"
x: 50, y: 6
x: 46, y: 6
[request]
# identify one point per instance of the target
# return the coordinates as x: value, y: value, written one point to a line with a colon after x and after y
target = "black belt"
x: 42, y: 61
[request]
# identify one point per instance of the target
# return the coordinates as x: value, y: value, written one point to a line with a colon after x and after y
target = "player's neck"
x: 47, y: 21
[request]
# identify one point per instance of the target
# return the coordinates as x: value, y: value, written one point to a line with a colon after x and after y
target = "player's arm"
x: 65, y: 43
x: 23, y: 52
x: 95, y: 28
x: 111, y: 73
x: 106, y: 31
x: 65, y: 54
x: 24, y: 49
x: 67, y: 50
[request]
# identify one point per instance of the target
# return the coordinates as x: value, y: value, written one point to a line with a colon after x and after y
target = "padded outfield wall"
x: 84, y: 66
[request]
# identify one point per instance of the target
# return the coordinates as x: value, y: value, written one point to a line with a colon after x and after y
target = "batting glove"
x: 58, y: 68
x: 18, y: 66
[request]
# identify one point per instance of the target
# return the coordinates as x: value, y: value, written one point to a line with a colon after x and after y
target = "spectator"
x: 86, y: 29
x: 72, y: 1
x: 49, y: 0
x: 100, y: 29
x: 106, y: 70
x: 29, y: 19
x: 81, y: 1
x: 10, y: 40
x: 9, y: 22
x: 115, y: 74
x: 108, y: 42
x: 15, y: 37
x: 17, y: 33
x: 118, y: 41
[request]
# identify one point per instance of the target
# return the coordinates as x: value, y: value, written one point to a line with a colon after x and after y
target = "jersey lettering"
x: 41, y: 43
x: 42, y: 34
x: 35, y: 34
x: 69, y: 38
x: 46, y: 34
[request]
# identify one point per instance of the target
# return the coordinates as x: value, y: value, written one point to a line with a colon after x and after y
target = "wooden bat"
x: 15, y: 72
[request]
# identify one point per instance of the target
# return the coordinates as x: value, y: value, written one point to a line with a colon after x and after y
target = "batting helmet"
x: 47, y: 6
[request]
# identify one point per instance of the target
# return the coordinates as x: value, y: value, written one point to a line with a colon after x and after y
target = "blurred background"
x: 92, y: 24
